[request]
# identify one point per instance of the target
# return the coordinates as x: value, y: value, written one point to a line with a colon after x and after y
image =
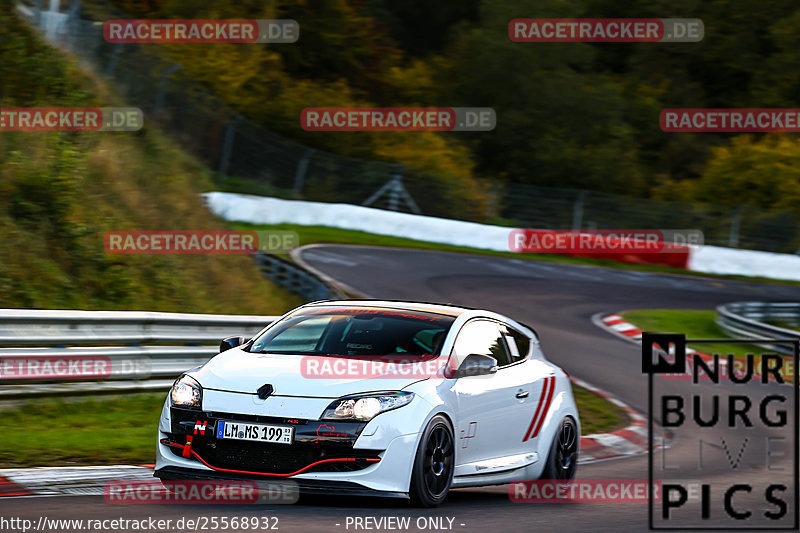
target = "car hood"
x: 239, y: 371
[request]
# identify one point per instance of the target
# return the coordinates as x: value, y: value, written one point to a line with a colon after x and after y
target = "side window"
x: 481, y: 337
x: 518, y: 344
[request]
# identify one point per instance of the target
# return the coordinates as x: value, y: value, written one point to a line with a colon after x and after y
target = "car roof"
x: 442, y: 309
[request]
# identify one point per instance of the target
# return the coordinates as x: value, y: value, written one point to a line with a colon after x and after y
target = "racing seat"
x: 438, y: 341
x: 366, y: 342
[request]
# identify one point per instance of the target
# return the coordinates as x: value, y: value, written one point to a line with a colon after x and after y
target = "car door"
x: 539, y: 375
x: 493, y: 411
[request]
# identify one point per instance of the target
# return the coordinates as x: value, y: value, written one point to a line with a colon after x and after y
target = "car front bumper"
x: 376, y: 459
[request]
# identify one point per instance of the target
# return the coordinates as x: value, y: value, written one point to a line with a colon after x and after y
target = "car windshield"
x: 356, y: 331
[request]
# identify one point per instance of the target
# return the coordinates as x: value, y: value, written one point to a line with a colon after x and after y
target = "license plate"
x: 254, y: 432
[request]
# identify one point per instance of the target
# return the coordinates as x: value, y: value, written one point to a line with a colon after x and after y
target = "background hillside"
x: 59, y: 193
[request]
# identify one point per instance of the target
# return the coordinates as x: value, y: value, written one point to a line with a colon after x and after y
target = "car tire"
x: 434, y: 464
x: 562, y: 461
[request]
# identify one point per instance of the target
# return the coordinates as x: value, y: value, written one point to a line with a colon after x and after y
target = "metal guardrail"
x: 146, y: 350
x: 296, y: 279
x: 747, y: 320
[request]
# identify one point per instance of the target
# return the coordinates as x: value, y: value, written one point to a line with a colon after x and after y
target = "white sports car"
x: 376, y: 398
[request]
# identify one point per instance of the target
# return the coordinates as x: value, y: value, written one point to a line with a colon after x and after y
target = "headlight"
x: 366, y: 407
x: 186, y: 392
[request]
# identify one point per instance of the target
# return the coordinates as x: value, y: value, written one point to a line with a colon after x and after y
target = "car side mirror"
x: 230, y: 342
x: 476, y: 365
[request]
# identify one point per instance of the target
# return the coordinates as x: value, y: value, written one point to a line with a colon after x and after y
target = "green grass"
x: 694, y: 324
x: 701, y: 325
x: 326, y: 235
x: 794, y: 326
x: 100, y: 430
x: 598, y: 415
x: 107, y: 430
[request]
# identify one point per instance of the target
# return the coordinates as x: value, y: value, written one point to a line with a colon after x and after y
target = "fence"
x: 251, y: 159
x: 146, y: 350
x: 748, y: 320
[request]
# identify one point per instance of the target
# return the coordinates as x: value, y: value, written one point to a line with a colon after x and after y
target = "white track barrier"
x: 264, y: 210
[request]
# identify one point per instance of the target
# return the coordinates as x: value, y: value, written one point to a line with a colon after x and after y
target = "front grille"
x: 277, y: 458
x: 306, y: 431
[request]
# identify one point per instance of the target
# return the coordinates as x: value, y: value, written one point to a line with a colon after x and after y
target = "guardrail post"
x: 37, y: 13
x: 74, y: 9
x: 227, y: 144
x: 577, y: 210
x: 736, y: 220
x: 73, y: 18
x: 300, y: 175
x: 113, y: 61
x: 162, y: 87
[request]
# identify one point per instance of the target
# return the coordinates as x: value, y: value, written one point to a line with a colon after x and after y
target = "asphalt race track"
x: 558, y: 301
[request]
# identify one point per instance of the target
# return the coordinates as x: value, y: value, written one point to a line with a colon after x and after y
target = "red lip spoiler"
x: 341, y: 460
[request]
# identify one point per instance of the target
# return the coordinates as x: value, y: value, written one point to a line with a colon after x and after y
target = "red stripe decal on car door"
x: 547, y: 403
x: 538, y: 409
